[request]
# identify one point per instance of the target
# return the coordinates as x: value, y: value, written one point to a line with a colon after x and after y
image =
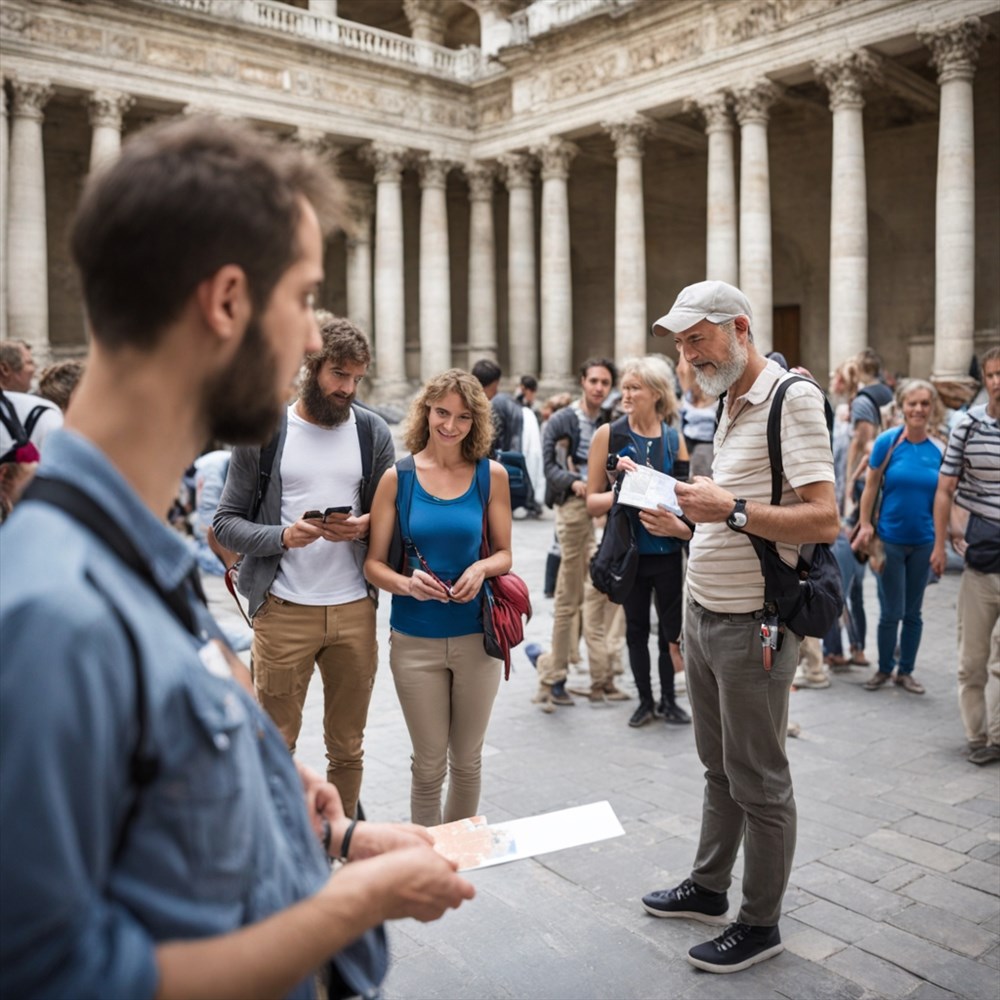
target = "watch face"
x: 738, y: 518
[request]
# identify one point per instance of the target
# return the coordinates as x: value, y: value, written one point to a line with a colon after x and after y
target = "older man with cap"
x: 739, y: 699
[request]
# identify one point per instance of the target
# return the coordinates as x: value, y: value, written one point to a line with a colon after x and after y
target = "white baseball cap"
x: 715, y: 301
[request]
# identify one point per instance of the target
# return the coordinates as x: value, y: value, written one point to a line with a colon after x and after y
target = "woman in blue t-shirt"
x: 906, y: 527
x: 644, y: 437
x: 445, y: 681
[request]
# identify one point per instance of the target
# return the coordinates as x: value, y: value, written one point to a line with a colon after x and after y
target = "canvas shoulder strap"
x: 406, y: 472
x: 774, y: 431
x: 264, y: 467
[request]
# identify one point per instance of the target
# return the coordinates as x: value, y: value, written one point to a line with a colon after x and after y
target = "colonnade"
x: 540, y: 292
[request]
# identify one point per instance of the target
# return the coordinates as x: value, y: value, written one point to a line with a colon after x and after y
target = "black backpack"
x: 808, y: 598
x: 20, y: 434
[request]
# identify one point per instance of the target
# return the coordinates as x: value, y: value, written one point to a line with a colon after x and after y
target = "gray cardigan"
x: 260, y: 540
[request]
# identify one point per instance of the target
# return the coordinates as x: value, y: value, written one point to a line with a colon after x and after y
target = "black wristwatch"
x: 738, y: 519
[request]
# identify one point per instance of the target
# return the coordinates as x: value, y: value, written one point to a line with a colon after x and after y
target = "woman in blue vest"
x: 445, y: 681
x: 904, y: 461
x: 644, y: 436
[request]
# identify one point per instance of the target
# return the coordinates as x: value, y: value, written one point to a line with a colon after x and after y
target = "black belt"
x: 733, y: 617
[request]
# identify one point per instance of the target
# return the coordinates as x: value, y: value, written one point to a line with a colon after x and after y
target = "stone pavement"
x: 896, y: 885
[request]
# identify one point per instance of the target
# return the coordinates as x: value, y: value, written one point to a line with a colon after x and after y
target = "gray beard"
x: 726, y: 373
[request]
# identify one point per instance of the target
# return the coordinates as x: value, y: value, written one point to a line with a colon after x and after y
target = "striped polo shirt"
x: 973, y: 455
x: 723, y: 570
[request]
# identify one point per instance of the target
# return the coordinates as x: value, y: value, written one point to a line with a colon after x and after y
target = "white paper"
x: 475, y: 844
x: 648, y: 489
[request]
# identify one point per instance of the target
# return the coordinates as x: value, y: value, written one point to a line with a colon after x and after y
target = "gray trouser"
x: 740, y: 713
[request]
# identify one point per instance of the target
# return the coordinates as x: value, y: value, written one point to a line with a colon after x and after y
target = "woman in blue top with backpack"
x: 644, y: 436
x: 445, y: 681
x: 904, y: 461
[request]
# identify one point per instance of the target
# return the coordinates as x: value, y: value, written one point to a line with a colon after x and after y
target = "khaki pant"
x: 446, y: 688
x: 979, y: 656
x: 740, y: 714
x: 575, y: 531
x: 288, y: 640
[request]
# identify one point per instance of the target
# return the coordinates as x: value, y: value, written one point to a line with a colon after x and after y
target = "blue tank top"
x: 448, y: 534
x: 660, y: 453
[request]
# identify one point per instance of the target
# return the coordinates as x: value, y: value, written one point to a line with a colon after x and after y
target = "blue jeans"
x: 901, y: 594
x: 852, y: 575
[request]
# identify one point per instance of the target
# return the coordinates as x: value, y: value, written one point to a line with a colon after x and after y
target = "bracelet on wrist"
x: 345, y: 844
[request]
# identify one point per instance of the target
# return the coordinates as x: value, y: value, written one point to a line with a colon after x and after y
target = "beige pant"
x: 575, y: 531
x: 288, y: 639
x: 446, y: 689
x: 811, y: 659
x: 979, y: 656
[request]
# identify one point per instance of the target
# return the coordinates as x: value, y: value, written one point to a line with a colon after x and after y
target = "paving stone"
x: 979, y: 875
x: 992, y: 956
x: 968, y: 841
x: 958, y: 899
x: 895, y: 880
x: 986, y: 852
x: 837, y: 817
x: 944, y: 928
x: 957, y: 815
x: 915, y: 850
x: 929, y: 829
x: 943, y: 968
x: 928, y: 991
x: 847, y: 891
x: 877, y: 808
x: 836, y: 920
x: 987, y: 806
x: 811, y: 944
x: 863, y: 862
x: 871, y: 972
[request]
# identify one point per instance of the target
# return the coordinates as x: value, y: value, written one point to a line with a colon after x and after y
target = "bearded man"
x: 739, y: 698
x: 302, y: 566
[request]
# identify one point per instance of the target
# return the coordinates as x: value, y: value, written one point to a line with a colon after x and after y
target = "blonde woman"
x: 645, y: 436
x: 445, y: 681
x: 905, y: 460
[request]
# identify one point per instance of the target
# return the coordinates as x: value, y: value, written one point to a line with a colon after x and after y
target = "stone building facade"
x: 535, y: 181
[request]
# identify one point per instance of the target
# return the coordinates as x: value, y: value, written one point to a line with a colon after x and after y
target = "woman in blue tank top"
x: 650, y: 406
x: 445, y: 681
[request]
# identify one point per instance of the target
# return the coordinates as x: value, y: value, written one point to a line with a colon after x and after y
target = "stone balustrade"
x: 538, y: 18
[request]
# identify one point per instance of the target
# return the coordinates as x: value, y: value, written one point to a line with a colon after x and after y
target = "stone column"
x: 435, y: 268
x: 3, y: 212
x: 845, y: 76
x: 631, y: 327
x: 482, y: 263
x: 522, y: 323
x: 753, y: 103
x: 359, y: 265
x: 428, y: 19
x: 27, y: 270
x: 324, y: 8
x: 105, y: 108
x: 390, y: 332
x: 954, y: 52
x: 721, y: 254
x: 556, y: 277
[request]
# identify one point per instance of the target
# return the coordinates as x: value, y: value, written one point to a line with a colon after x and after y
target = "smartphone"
x: 337, y: 510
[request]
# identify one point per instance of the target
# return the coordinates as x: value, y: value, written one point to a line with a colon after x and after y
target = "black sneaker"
x: 688, y: 900
x: 642, y: 715
x: 738, y: 947
x: 674, y: 715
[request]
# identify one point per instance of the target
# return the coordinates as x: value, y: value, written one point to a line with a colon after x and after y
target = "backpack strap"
x: 366, y: 446
x: 33, y: 417
x: 774, y: 431
x: 406, y: 472
x: 265, y: 464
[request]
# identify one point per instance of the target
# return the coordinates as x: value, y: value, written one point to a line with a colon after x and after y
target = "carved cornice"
x: 846, y: 75
x: 715, y: 109
x: 954, y: 47
x: 481, y: 175
x: 753, y: 102
x: 518, y: 170
x: 433, y: 170
x: 30, y: 98
x: 555, y: 155
x: 106, y: 107
x: 629, y: 134
x: 388, y: 160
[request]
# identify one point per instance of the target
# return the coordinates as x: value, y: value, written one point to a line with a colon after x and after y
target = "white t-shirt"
x: 23, y: 403
x: 320, y: 468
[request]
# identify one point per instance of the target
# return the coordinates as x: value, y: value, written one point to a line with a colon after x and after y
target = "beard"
x: 726, y: 372
x: 242, y: 405
x: 326, y: 410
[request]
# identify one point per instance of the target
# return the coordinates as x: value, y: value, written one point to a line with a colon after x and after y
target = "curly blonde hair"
x: 656, y: 375
x: 479, y: 441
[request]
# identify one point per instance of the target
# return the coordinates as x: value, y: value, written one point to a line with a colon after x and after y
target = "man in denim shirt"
x: 200, y: 252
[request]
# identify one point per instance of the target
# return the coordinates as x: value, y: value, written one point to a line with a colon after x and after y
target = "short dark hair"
x: 58, y: 381
x: 184, y: 199
x: 342, y: 341
x: 486, y: 371
x: 529, y: 382
x: 599, y: 363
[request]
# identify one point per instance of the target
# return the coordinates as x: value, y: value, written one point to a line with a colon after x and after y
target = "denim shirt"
x: 221, y: 839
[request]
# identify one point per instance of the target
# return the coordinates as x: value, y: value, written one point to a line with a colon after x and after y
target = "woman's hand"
x: 863, y: 538
x: 469, y: 584
x: 424, y: 587
x: 625, y: 464
x: 664, y: 523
